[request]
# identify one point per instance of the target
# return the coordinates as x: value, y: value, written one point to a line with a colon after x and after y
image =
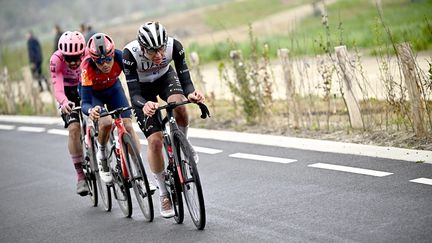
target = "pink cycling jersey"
x: 62, y: 75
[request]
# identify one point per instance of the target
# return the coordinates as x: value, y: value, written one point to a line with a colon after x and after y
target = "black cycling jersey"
x: 138, y: 69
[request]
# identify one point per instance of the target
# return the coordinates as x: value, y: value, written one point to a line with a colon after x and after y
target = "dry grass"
x: 226, y: 117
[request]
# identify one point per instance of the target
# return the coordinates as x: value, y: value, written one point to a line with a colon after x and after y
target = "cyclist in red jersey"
x: 101, y: 86
x: 65, y: 75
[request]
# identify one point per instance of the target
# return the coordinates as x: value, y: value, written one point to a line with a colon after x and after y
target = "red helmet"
x: 100, y: 45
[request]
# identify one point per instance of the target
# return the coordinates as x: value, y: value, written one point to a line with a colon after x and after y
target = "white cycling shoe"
x: 104, y: 170
x: 166, y: 209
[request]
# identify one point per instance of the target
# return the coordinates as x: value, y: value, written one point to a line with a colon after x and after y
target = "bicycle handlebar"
x: 115, y: 113
x: 172, y: 105
x: 76, y: 108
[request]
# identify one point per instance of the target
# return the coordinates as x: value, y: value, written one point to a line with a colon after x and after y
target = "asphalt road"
x: 292, y: 196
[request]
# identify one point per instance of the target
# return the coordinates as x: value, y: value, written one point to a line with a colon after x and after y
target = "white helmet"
x: 152, y: 35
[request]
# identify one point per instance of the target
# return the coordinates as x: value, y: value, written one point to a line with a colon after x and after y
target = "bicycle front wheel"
x: 90, y: 168
x: 176, y: 196
x: 120, y: 184
x: 104, y: 192
x: 138, y: 178
x: 191, y: 181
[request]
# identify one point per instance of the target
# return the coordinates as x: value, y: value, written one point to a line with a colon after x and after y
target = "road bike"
x: 127, y: 169
x: 89, y: 132
x: 182, y: 172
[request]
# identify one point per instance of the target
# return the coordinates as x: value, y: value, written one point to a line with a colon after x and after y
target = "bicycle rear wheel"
x: 191, y: 181
x: 138, y: 177
x: 121, y: 188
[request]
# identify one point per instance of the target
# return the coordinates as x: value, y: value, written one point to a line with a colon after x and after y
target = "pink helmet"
x: 100, y: 45
x: 71, y: 43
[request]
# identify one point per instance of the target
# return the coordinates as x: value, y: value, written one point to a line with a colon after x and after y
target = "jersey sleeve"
x: 86, y: 99
x: 86, y: 73
x: 182, y: 68
x: 132, y: 79
x: 56, y: 70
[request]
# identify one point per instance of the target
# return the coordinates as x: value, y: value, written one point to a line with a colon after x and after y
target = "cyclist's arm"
x: 56, y: 70
x: 132, y: 79
x: 182, y: 68
x: 86, y: 89
x: 86, y: 99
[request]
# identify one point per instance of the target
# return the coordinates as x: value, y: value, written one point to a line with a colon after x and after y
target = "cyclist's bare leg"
x: 154, y: 152
x: 156, y: 161
x: 104, y: 129
x: 75, y: 149
x: 105, y: 124
x: 128, y: 125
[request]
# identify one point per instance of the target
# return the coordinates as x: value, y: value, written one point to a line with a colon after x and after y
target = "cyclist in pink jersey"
x: 65, y: 75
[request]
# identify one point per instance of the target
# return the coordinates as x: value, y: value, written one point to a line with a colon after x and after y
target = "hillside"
x: 41, y: 15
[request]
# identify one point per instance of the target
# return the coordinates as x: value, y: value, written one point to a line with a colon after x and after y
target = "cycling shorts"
x: 165, y: 86
x: 71, y: 93
x: 113, y: 97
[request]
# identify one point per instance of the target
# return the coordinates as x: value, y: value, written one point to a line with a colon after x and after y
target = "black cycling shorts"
x: 71, y: 93
x: 165, y: 86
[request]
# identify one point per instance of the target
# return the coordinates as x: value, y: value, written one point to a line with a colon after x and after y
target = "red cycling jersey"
x: 92, y: 76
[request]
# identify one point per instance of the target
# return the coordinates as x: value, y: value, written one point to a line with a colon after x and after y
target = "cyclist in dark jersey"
x: 65, y: 75
x: 146, y: 63
x: 101, y: 86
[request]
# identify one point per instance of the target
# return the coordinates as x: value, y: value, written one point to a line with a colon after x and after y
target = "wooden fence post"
x: 350, y: 99
x: 413, y: 86
x: 290, y: 91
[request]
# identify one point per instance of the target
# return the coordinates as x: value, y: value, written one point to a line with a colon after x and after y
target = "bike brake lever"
x: 204, y: 111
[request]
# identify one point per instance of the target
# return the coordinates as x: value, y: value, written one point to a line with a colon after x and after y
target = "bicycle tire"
x: 91, y: 183
x: 138, y: 178
x: 172, y: 183
x: 176, y: 196
x: 104, y: 190
x: 91, y: 169
x: 121, y: 188
x: 191, y: 186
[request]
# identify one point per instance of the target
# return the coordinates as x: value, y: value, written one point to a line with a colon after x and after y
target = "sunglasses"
x: 154, y: 51
x: 102, y: 60
x: 75, y: 58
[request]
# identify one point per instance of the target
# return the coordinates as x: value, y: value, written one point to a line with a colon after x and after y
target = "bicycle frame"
x: 118, y: 143
x: 170, y: 119
x: 184, y: 181
x: 121, y: 130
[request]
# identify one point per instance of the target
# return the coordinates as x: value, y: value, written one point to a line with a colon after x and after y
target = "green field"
x: 355, y: 23
x: 238, y: 13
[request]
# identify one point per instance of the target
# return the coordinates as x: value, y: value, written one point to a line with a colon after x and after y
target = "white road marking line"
x: 315, y: 145
x: 58, y: 132
x: 32, y: 119
x: 31, y: 129
x: 206, y: 150
x: 7, y: 127
x: 350, y: 169
x: 197, y: 149
x: 423, y: 180
x: 262, y: 158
